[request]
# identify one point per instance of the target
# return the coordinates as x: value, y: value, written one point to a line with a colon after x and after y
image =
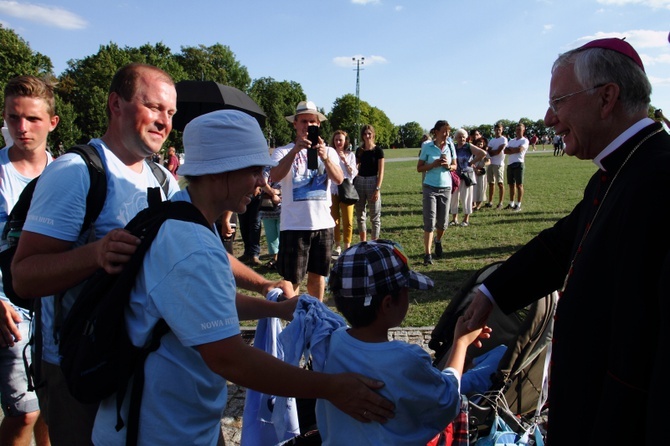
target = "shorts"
x: 436, y: 203
x: 69, y: 421
x: 16, y: 399
x: 515, y: 174
x: 495, y: 174
x: 301, y: 252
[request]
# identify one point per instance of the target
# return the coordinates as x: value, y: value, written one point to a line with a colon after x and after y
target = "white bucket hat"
x: 223, y: 141
x: 306, y: 107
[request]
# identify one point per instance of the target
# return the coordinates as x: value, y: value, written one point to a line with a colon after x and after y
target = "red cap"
x: 618, y: 45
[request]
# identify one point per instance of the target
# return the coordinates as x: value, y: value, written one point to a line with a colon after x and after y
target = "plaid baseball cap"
x: 374, y: 268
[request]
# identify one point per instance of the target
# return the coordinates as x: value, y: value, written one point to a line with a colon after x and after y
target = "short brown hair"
x: 33, y: 87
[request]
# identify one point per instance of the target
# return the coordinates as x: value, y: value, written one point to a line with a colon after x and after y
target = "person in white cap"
x: 183, y: 401
x: 306, y: 226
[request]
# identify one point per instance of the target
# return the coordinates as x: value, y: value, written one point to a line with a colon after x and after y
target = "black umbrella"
x: 195, y: 98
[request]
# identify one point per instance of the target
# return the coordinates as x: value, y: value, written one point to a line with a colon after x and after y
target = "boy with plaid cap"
x: 370, y: 283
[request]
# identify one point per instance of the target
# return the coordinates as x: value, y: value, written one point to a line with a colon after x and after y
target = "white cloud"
x: 648, y: 60
x: 350, y: 61
x: 639, y: 38
x: 659, y: 81
x: 44, y: 15
x: 364, y: 2
x: 398, y: 8
x: 546, y: 28
x: 654, y: 4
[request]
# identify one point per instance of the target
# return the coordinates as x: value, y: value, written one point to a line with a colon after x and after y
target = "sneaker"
x: 500, y: 206
x: 453, y: 223
x: 488, y: 205
x: 517, y: 208
x: 465, y: 224
x: 510, y: 206
x: 427, y: 260
x: 438, y: 248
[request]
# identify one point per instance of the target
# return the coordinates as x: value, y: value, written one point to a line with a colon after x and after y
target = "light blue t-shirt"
x: 186, y: 280
x: 426, y: 400
x: 59, y: 204
x: 12, y: 183
x: 438, y: 177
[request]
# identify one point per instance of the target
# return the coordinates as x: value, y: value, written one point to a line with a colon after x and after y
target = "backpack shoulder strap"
x: 97, y: 192
x: 146, y: 225
x: 161, y: 177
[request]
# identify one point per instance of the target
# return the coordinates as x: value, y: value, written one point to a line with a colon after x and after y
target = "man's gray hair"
x: 597, y: 66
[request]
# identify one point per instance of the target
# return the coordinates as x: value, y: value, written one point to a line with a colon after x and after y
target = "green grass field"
x: 553, y: 185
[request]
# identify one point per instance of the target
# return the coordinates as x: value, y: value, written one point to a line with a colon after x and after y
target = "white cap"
x: 306, y: 107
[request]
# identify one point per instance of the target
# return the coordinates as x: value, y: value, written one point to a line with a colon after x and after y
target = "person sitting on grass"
x: 370, y: 283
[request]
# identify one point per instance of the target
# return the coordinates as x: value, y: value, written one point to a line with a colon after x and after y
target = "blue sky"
x: 467, y: 61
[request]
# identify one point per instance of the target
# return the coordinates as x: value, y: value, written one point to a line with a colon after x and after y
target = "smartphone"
x: 312, y: 154
x: 658, y: 113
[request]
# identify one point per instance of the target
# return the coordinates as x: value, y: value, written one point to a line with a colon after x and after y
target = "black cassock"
x: 610, y: 336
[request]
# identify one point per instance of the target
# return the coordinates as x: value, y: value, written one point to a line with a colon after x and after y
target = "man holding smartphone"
x: 306, y: 227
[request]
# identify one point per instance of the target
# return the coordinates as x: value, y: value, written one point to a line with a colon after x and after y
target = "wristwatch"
x: 377, y: 188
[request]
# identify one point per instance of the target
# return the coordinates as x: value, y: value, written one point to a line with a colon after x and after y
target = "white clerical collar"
x: 619, y: 140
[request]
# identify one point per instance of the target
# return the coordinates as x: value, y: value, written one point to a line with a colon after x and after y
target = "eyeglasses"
x: 554, y: 102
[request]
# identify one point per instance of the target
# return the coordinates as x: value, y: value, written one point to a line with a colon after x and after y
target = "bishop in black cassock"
x: 611, y: 258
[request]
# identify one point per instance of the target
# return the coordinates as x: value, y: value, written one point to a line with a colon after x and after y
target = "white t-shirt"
x: 59, y: 204
x: 350, y: 158
x: 517, y: 157
x: 186, y: 280
x: 306, y: 197
x: 494, y: 143
x: 12, y: 184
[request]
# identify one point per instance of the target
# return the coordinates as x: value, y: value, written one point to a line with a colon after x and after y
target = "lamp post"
x: 359, y: 61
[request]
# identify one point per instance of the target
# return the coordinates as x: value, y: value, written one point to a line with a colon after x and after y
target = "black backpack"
x: 95, y: 199
x: 98, y: 358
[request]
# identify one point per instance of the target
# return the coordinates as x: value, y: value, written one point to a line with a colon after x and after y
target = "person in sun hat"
x: 186, y: 280
x: 610, y: 257
x: 306, y: 226
x: 370, y: 283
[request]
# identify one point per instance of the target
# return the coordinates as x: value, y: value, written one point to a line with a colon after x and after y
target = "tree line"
x: 81, y: 93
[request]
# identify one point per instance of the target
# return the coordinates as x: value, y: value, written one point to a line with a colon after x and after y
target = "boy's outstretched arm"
x: 463, y: 337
